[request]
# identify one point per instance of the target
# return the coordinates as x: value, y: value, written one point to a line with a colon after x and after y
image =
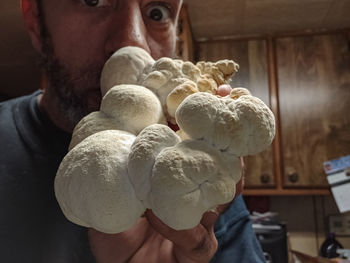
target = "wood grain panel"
x: 212, y: 19
x: 216, y: 18
x: 251, y: 56
x: 272, y: 16
x: 337, y: 15
x: 314, y: 94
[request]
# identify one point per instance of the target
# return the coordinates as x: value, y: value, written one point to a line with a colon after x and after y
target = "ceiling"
x: 222, y: 18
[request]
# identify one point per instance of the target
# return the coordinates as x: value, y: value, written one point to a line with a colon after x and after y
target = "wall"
x: 19, y: 73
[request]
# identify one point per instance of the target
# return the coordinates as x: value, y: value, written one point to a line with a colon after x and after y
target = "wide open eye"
x: 158, y: 13
x: 95, y: 3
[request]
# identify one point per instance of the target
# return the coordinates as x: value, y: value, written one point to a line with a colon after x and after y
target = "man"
x: 74, y: 39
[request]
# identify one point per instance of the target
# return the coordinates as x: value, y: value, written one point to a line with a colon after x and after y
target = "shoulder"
x: 7, y: 104
x: 8, y: 112
x: 10, y: 108
x: 13, y: 114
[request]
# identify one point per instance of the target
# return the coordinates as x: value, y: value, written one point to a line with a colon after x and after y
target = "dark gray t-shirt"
x: 32, y: 226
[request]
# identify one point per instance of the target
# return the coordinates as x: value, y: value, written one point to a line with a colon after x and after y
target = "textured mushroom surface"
x: 124, y: 159
x: 189, y: 179
x: 241, y: 126
x: 174, y: 80
x: 93, y: 187
x: 134, y: 106
x: 126, y: 66
x: 124, y: 107
x: 144, y: 151
x: 170, y: 79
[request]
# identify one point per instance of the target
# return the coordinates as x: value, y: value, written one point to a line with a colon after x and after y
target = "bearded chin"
x: 61, y: 92
x: 68, y: 94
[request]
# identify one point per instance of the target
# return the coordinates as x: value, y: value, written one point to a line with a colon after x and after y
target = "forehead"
x: 47, y: 6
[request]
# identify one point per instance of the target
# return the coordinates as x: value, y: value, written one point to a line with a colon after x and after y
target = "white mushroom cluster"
x: 124, y: 159
x: 172, y: 80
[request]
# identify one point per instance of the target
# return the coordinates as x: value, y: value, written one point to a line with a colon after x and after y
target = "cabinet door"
x: 252, y: 59
x: 314, y: 97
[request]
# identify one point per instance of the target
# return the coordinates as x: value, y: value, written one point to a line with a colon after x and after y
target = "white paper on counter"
x: 341, y: 194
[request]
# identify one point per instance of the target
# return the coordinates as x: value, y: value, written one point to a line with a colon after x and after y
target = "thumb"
x: 209, y: 219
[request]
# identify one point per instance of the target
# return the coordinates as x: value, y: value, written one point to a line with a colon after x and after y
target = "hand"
x: 223, y: 90
x: 151, y: 239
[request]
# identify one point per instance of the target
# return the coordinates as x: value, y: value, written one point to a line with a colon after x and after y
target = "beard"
x: 73, y: 95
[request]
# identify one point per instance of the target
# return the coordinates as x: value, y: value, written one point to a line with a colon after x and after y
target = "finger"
x: 190, y: 239
x: 191, y: 236
x: 209, y: 219
x: 240, y: 184
x: 244, y: 167
x: 239, y: 187
x: 108, y: 247
x: 192, y: 245
x: 223, y: 90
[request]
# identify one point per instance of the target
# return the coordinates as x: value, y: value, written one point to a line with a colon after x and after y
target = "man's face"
x: 78, y: 36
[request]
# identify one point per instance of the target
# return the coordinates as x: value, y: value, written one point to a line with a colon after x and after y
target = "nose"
x: 127, y: 28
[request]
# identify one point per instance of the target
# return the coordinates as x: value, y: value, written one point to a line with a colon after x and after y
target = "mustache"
x: 90, y: 76
x: 91, y: 71
x: 58, y: 72
x: 69, y: 86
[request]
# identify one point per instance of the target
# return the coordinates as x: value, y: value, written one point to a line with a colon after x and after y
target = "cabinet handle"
x: 293, y: 177
x: 265, y: 178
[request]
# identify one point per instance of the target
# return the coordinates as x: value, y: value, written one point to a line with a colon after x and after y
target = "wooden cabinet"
x: 306, y: 82
x: 314, y: 99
